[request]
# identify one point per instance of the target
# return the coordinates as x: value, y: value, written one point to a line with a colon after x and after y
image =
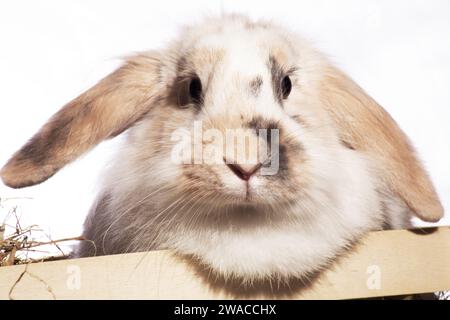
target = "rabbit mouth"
x: 226, y: 187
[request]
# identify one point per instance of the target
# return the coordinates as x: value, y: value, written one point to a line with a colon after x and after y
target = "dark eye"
x: 286, y: 86
x: 195, y: 90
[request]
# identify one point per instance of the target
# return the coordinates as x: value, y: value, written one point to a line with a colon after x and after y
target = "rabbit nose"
x: 244, y: 171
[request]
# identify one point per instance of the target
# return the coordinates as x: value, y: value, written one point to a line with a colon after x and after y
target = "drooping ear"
x: 366, y: 126
x: 102, y: 112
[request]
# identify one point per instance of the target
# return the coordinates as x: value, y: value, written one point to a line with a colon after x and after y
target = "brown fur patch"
x: 276, y: 74
x: 286, y: 147
x: 300, y: 120
x: 255, y: 86
x: 261, y: 123
x: 347, y: 144
x: 188, y: 67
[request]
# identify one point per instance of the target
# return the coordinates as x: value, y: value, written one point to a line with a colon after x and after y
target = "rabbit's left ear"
x: 365, y: 126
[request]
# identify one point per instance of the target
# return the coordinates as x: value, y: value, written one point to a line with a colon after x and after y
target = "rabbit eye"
x: 286, y: 86
x: 195, y: 90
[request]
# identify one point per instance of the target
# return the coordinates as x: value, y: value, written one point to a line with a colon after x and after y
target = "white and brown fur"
x: 346, y: 168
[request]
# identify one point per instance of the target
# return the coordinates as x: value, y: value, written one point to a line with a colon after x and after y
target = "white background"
x: 50, y: 51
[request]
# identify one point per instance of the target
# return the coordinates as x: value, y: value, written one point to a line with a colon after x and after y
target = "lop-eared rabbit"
x: 344, y: 167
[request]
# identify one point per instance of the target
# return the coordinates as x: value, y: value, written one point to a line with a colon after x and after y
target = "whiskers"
x: 180, y: 208
x: 131, y: 207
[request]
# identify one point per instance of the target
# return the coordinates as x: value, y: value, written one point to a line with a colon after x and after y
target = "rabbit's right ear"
x: 102, y: 112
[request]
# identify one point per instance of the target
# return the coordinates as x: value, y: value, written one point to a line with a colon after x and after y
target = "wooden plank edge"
x: 384, y: 263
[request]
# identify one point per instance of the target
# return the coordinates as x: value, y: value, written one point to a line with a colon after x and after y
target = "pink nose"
x: 244, y: 171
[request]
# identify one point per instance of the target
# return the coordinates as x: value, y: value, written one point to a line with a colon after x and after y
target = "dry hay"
x: 18, y: 244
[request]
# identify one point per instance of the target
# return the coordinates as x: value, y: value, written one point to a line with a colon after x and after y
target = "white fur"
x: 337, y: 200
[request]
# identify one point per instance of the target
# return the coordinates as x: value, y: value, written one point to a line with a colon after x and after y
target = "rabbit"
x: 345, y: 168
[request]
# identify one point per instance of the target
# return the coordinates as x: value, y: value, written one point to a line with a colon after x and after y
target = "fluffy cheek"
x: 273, y: 191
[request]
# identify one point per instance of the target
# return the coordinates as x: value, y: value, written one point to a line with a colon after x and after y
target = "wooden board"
x: 384, y: 263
